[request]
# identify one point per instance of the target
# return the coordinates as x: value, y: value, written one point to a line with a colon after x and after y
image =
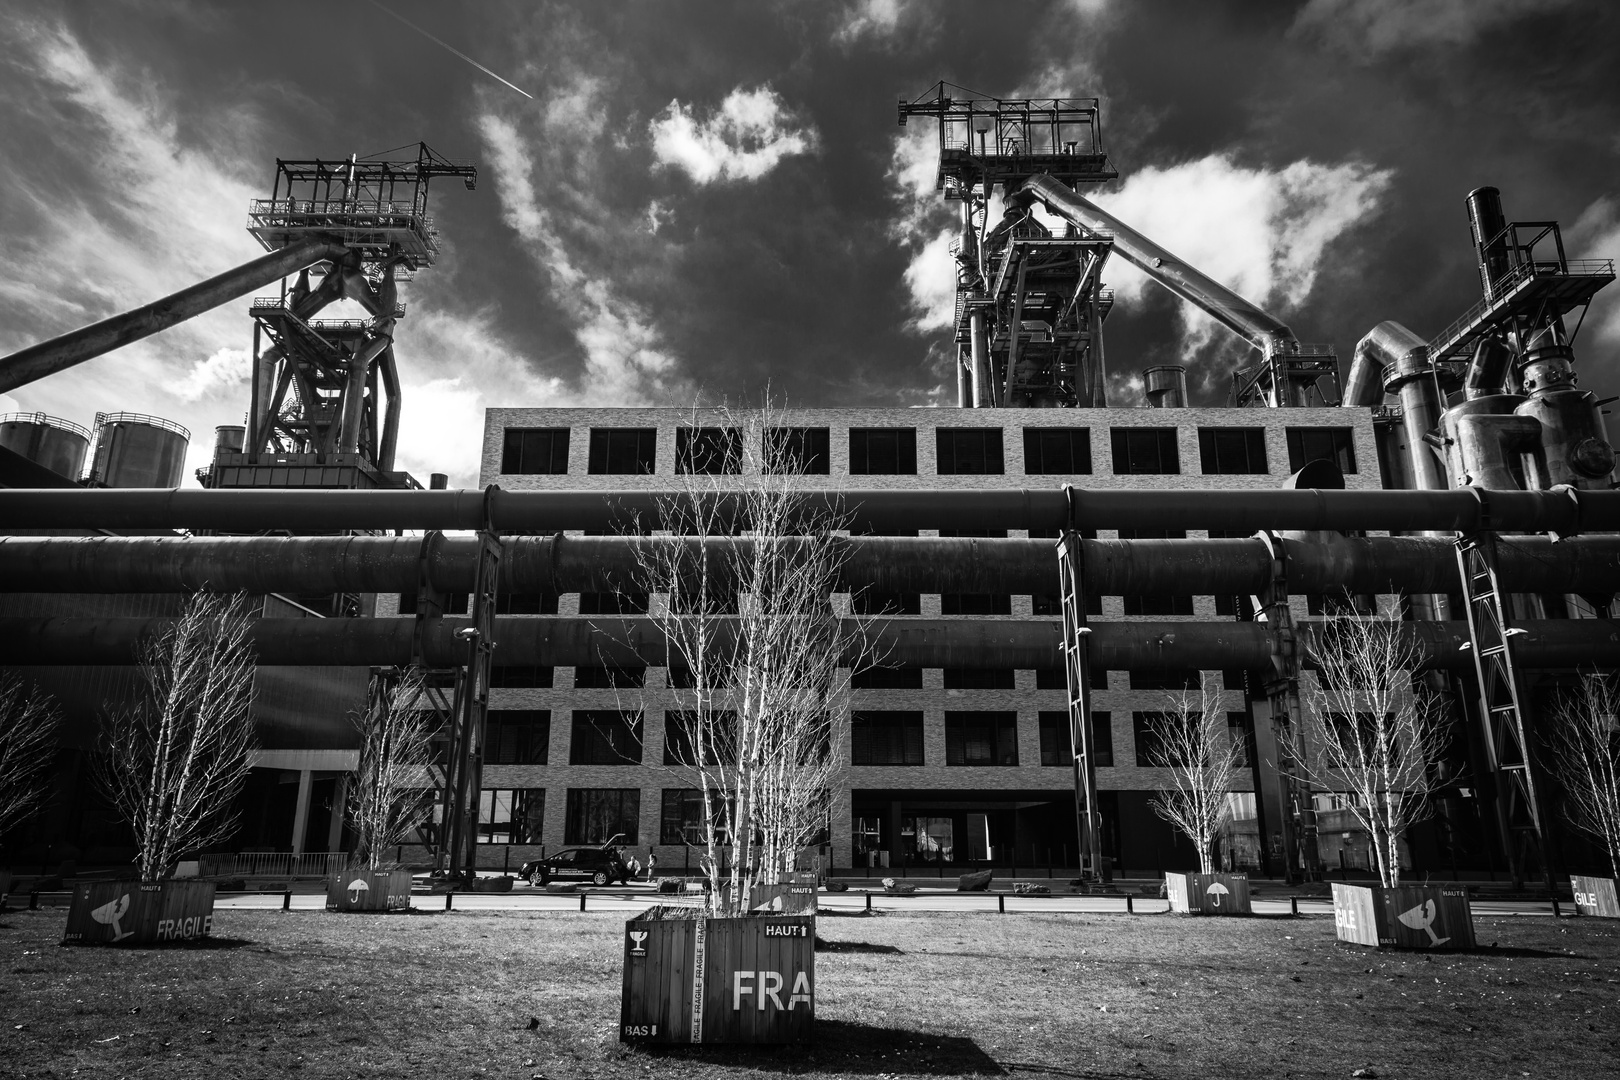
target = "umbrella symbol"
x: 109, y: 913
x: 357, y: 887
x: 1422, y: 918
x: 1216, y: 893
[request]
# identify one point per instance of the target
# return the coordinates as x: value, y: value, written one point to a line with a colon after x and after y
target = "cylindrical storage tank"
x: 1166, y: 386
x: 1486, y: 220
x: 229, y: 439
x: 59, y: 445
x: 1575, y: 446
x: 135, y: 451
x: 1485, y: 442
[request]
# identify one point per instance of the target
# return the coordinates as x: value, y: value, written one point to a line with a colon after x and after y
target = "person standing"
x: 652, y: 861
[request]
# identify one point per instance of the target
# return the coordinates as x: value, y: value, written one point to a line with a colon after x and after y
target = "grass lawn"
x: 526, y: 995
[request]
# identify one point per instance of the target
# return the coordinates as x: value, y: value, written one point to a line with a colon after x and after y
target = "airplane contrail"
x: 452, y: 48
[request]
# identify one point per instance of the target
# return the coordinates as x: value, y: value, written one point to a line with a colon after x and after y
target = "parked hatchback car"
x: 599, y: 866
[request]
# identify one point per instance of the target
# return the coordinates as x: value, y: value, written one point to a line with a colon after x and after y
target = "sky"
x: 707, y: 201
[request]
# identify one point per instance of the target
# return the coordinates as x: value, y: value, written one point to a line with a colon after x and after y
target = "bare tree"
x: 392, y: 787
x: 758, y: 650
x: 28, y: 723
x: 1373, y: 731
x: 174, y: 761
x: 1582, y: 749
x: 1192, y: 744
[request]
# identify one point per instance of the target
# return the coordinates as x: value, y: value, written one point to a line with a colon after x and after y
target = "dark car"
x: 599, y: 866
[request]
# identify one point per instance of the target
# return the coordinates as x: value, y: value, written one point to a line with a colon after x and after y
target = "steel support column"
x: 466, y: 761
x: 1300, y: 849
x: 1077, y: 664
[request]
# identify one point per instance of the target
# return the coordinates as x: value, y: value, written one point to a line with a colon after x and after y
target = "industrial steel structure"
x: 1491, y: 516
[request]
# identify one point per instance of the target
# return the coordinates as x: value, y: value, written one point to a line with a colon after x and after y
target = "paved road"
x: 633, y: 899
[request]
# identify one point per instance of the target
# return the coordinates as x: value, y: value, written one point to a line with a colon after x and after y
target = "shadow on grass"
x: 1514, y: 952
x: 858, y: 1049
x: 202, y: 944
x: 823, y: 945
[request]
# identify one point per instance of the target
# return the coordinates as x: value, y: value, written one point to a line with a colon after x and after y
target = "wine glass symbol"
x: 1422, y: 918
x: 111, y: 912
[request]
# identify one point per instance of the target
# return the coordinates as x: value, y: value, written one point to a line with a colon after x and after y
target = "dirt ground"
x: 536, y: 995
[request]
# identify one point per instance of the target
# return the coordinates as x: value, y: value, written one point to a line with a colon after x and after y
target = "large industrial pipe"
x: 886, y: 564
x: 1487, y: 222
x: 895, y: 642
x: 88, y: 342
x: 1563, y: 511
x: 1237, y: 314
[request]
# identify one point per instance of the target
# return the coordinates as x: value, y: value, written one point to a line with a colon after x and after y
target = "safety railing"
x: 274, y: 864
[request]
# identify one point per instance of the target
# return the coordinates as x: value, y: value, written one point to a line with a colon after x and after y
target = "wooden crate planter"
x: 1208, y: 894
x: 702, y: 980
x: 1404, y: 916
x: 789, y: 899
x: 369, y: 890
x: 1595, y: 896
x: 139, y: 913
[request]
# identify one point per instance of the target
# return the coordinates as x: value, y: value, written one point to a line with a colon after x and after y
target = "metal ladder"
x: 1501, y: 705
x: 1077, y: 664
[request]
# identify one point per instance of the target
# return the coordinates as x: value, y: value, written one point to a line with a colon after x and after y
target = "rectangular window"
x: 1051, y: 604
x: 1306, y: 444
x: 975, y: 604
x: 1154, y: 745
x: 797, y: 451
x: 589, y: 677
x: 605, y: 737
x: 1239, y: 731
x: 1057, y: 451
x: 1145, y: 450
x: 886, y: 738
x: 511, y: 815
x: 708, y: 451
x: 1234, y: 679
x: 882, y: 451
x: 968, y: 451
x: 871, y: 602
x: 603, y: 815
x: 978, y: 678
x: 520, y: 677
x: 1232, y: 450
x: 612, y: 603
x: 534, y: 452
x: 623, y: 451
x: 886, y: 678
x: 1055, y: 678
x: 981, y: 738
x: 1173, y: 679
x: 681, y: 818
x: 683, y: 738
x: 525, y: 603
x: 517, y: 736
x: 1055, y: 744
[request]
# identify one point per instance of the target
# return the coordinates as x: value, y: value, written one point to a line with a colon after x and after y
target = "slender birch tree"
x: 756, y: 651
x: 29, y: 719
x: 1373, y: 730
x: 1582, y: 750
x: 174, y: 761
x: 1192, y: 744
x: 392, y: 787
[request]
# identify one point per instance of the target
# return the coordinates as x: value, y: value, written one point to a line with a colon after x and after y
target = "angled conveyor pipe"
x: 88, y: 342
x: 901, y: 641
x: 1562, y: 510
x: 327, y: 564
x: 1243, y: 317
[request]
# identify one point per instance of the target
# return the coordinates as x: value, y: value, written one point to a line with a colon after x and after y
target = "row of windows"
x: 959, y: 451
x: 875, y: 678
x: 592, y: 816
x: 606, y: 737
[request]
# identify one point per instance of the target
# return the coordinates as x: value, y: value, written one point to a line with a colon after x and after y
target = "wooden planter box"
x: 703, y: 980
x: 1403, y: 917
x: 789, y: 899
x: 139, y: 913
x: 1595, y: 896
x: 1208, y: 894
x: 369, y: 890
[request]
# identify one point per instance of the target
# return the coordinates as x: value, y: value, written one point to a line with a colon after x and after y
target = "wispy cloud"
x: 1596, y: 235
x: 870, y: 19
x: 923, y: 226
x: 1263, y: 232
x: 748, y: 136
x: 1377, y: 27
